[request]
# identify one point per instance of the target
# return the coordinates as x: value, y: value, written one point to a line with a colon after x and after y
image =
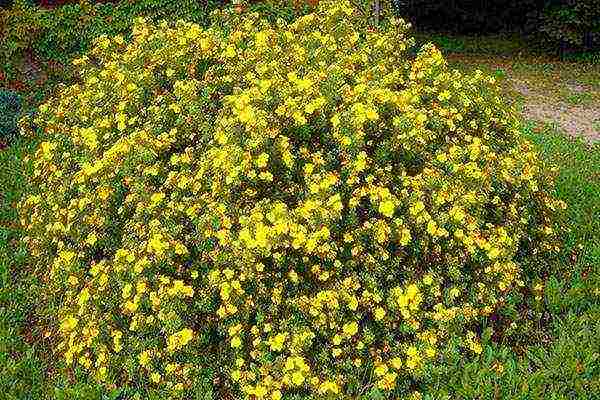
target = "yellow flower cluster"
x: 302, y: 206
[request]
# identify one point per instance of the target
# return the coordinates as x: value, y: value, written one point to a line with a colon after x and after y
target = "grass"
x: 575, y: 83
x: 583, y: 98
x: 21, y: 370
x: 491, y: 45
x: 578, y: 184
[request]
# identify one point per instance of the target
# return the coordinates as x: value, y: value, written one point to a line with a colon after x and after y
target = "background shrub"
x: 469, y: 16
x: 278, y: 208
x: 572, y: 23
x: 561, y: 24
x: 55, y: 36
x: 19, y: 27
x: 60, y: 33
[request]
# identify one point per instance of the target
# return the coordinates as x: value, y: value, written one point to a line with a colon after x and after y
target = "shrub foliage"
x: 467, y: 16
x: 10, y: 109
x: 572, y: 23
x: 288, y: 208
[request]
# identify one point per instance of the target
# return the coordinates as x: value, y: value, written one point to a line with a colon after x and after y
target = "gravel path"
x: 561, y: 93
x: 577, y: 120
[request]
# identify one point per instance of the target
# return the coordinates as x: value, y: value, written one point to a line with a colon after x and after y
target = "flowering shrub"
x: 296, y: 208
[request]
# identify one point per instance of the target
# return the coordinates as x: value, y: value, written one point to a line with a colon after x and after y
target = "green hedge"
x: 468, y: 16
x: 557, y: 23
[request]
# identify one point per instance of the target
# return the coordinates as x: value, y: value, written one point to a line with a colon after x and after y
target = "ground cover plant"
x: 334, y: 220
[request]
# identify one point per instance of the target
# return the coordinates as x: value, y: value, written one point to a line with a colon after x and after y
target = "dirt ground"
x: 563, y: 93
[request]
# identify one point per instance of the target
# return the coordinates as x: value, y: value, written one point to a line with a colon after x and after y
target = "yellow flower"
x: 155, y: 377
x: 412, y: 351
x: 379, y: 313
x: 335, y: 120
x: 180, y: 249
x: 353, y: 303
x: 396, y: 362
x: 428, y: 279
x: 405, y: 237
x: 179, y: 339
x: 230, y: 51
x: 337, y: 340
x: 67, y: 256
x: 289, y: 364
x: 380, y: 369
x: 262, y: 160
x: 329, y: 387
x: 372, y: 114
x: 171, y: 367
x: 236, y: 342
x: 266, y: 176
x: 304, y: 84
x: 416, y: 208
x: 102, y: 373
x: 430, y: 352
x: 336, y: 351
x: 144, y: 358
x: 185, y: 335
x: 432, y: 228
x: 276, y: 395
x: 236, y: 375
x: 297, y: 378
x: 68, y: 324
x: 387, y: 208
x: 193, y: 32
x: 293, y: 276
x: 493, y: 253
x: 260, y: 391
x: 126, y: 291
x: 140, y: 287
x: 276, y: 342
x: 156, y: 198
x: 351, y: 328
x: 91, y: 239
x: 157, y: 245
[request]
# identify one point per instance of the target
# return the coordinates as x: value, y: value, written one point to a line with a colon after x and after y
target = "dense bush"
x: 574, y: 23
x: 277, y: 209
x: 69, y: 30
x: 558, y: 23
x: 468, y: 16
